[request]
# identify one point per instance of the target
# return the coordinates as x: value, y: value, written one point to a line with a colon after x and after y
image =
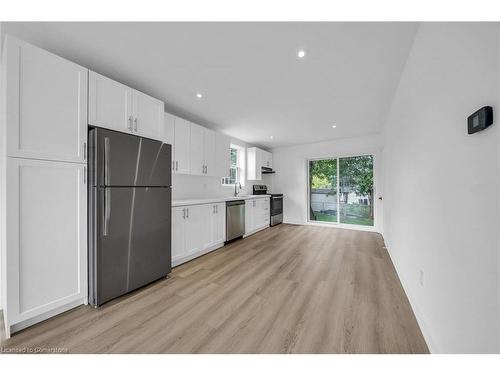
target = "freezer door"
x: 133, y: 247
x: 129, y: 160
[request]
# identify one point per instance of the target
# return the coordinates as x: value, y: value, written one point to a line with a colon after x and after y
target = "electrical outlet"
x: 421, y: 278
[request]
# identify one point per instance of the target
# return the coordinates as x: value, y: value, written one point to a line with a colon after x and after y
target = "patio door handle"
x: 380, y: 198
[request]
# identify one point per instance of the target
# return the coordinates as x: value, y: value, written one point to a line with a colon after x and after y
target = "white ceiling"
x: 252, y: 82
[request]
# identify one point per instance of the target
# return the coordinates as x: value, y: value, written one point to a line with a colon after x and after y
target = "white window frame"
x: 376, y: 207
x: 240, y: 169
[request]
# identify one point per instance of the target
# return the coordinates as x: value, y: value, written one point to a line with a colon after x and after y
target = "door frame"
x: 376, y: 203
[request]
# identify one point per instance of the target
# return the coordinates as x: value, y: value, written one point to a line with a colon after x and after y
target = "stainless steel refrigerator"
x: 129, y: 213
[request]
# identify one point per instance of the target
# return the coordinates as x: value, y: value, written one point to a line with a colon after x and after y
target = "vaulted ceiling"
x: 253, y: 84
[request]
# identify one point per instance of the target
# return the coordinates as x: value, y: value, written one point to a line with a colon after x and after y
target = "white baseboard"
x: 187, y: 258
x: 255, y: 231
x: 424, y: 327
x: 49, y: 314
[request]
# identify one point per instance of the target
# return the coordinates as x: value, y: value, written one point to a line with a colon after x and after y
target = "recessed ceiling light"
x: 301, y: 53
x: 199, y: 96
x: 272, y: 137
x: 334, y: 126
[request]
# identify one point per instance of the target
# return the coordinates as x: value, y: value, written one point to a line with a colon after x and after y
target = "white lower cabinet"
x: 178, y: 234
x: 197, y: 230
x: 46, y: 239
x: 257, y: 215
x: 217, y: 221
x: 263, y: 212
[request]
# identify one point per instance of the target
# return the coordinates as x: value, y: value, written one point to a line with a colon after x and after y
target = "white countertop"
x: 189, y: 202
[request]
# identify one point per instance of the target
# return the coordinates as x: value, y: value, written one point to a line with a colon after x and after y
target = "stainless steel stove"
x: 276, y: 212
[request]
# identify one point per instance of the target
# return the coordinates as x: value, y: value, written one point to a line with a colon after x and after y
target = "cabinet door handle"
x: 135, y: 124
x: 213, y: 209
x: 183, y: 213
x: 216, y: 209
x: 187, y: 213
x: 173, y: 165
x: 129, y: 127
x: 176, y: 165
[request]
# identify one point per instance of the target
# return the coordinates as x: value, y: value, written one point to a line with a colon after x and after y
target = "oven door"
x: 276, y: 206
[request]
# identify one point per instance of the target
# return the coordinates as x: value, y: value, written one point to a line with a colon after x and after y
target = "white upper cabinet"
x: 197, y: 163
x: 148, y: 115
x: 222, y: 155
x: 209, y: 152
x: 196, y: 150
x: 202, y: 151
x: 46, y: 104
x: 168, y: 130
x: 254, y: 170
x: 115, y: 106
x: 46, y: 237
x: 110, y: 103
x: 181, y: 155
x: 258, y: 158
x: 266, y: 159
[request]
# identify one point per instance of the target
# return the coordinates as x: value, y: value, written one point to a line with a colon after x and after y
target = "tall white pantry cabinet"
x: 43, y: 184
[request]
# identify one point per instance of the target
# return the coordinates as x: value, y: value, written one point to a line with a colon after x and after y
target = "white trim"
x: 424, y: 328
x: 44, y: 316
x: 241, y: 162
x: 187, y: 258
x: 361, y: 228
x: 375, y: 227
x: 255, y: 231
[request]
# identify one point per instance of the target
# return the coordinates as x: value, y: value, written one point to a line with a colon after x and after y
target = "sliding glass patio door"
x: 341, y: 190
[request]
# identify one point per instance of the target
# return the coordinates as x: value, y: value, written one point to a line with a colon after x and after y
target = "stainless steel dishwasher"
x: 235, y: 219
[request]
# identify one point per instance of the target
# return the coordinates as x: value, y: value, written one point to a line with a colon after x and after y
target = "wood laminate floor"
x: 287, y: 289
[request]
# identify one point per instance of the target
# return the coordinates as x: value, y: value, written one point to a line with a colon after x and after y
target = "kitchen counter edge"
x: 191, y: 202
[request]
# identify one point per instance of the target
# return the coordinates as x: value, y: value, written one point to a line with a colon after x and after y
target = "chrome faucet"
x: 235, y: 186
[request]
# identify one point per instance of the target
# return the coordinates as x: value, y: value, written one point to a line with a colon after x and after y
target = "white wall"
x: 191, y: 187
x: 430, y: 166
x: 1, y: 161
x: 291, y: 171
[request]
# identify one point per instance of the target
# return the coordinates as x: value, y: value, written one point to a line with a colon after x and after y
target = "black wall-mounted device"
x: 480, y: 120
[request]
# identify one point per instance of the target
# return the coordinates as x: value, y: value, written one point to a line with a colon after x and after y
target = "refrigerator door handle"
x: 107, y: 211
x: 106, y: 161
